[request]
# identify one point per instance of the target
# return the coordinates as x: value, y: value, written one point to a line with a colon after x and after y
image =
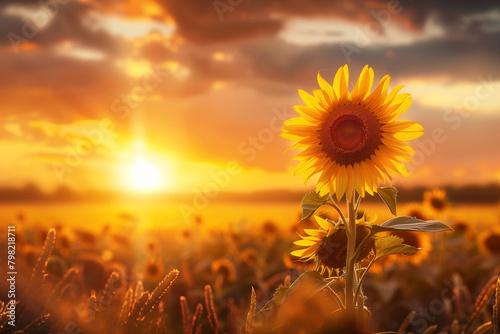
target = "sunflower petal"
x: 325, y: 225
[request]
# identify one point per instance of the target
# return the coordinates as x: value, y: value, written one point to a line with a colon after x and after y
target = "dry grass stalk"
x: 196, y: 322
x: 430, y: 329
x: 68, y: 278
x: 139, y: 289
x: 483, y: 328
x: 186, y: 315
x: 209, y: 304
x: 496, y: 309
x: 33, y: 327
x: 126, y: 307
x: 159, y: 292
x: 41, y: 264
x: 482, y: 301
x: 110, y: 286
x: 251, y: 313
x: 61, y: 287
x: 133, y: 316
x: 406, y: 322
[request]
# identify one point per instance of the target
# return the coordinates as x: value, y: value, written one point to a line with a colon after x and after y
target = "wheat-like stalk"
x: 496, y: 308
x: 43, y: 259
x: 113, y: 278
x: 483, y: 328
x: 186, y: 316
x: 38, y: 274
x: 61, y: 287
x: 406, y: 322
x: 209, y: 304
x: 33, y: 327
x: 482, y: 301
x: 159, y: 292
x: 139, y: 289
x: 196, y: 322
x: 430, y: 329
x: 126, y: 306
x: 135, y: 313
x: 251, y: 313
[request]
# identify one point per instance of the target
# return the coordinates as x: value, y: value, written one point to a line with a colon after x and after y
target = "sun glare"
x: 145, y: 176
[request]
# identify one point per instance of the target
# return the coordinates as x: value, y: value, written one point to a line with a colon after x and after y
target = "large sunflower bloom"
x: 352, y: 139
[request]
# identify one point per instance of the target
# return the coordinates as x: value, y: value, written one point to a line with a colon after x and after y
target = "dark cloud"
x: 50, y: 25
x: 219, y: 21
x: 462, y: 57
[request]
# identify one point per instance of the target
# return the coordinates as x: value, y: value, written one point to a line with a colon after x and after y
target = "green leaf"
x: 310, y: 203
x: 388, y: 195
x: 413, y: 224
x: 391, y: 244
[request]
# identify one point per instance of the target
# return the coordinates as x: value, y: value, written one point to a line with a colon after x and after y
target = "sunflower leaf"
x: 391, y: 244
x: 310, y: 203
x: 388, y: 195
x: 411, y: 224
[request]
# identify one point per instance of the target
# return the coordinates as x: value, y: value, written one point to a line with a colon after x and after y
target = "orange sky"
x: 89, y: 88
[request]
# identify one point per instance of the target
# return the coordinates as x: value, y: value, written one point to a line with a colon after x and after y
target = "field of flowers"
x: 110, y: 278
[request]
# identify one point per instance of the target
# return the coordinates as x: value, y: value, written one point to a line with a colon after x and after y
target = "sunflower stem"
x: 351, y: 250
x: 358, y: 202
x: 363, y: 276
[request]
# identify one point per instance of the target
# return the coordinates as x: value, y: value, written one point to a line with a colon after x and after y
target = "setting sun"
x: 145, y: 176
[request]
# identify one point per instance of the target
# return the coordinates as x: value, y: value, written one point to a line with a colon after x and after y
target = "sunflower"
x: 436, y: 199
x: 489, y: 242
x: 416, y: 210
x: 153, y: 270
x: 352, y: 139
x: 328, y: 245
x: 224, y: 268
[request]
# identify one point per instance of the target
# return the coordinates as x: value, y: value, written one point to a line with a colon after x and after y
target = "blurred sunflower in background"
x: 416, y: 210
x: 436, y: 200
x: 352, y: 139
x: 328, y: 245
x: 224, y: 268
x: 489, y: 242
x: 153, y: 270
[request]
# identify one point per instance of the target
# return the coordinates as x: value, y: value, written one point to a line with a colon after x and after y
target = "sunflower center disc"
x: 347, y: 132
x: 350, y: 134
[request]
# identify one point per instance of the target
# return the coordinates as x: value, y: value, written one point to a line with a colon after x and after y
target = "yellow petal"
x: 362, y: 86
x: 377, y: 97
x: 405, y: 136
x: 309, y: 100
x: 341, y: 182
x: 310, y: 114
x: 325, y: 225
x: 303, y: 243
x: 325, y: 86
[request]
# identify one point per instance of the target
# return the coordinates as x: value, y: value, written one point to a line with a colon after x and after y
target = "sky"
x: 177, y: 95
